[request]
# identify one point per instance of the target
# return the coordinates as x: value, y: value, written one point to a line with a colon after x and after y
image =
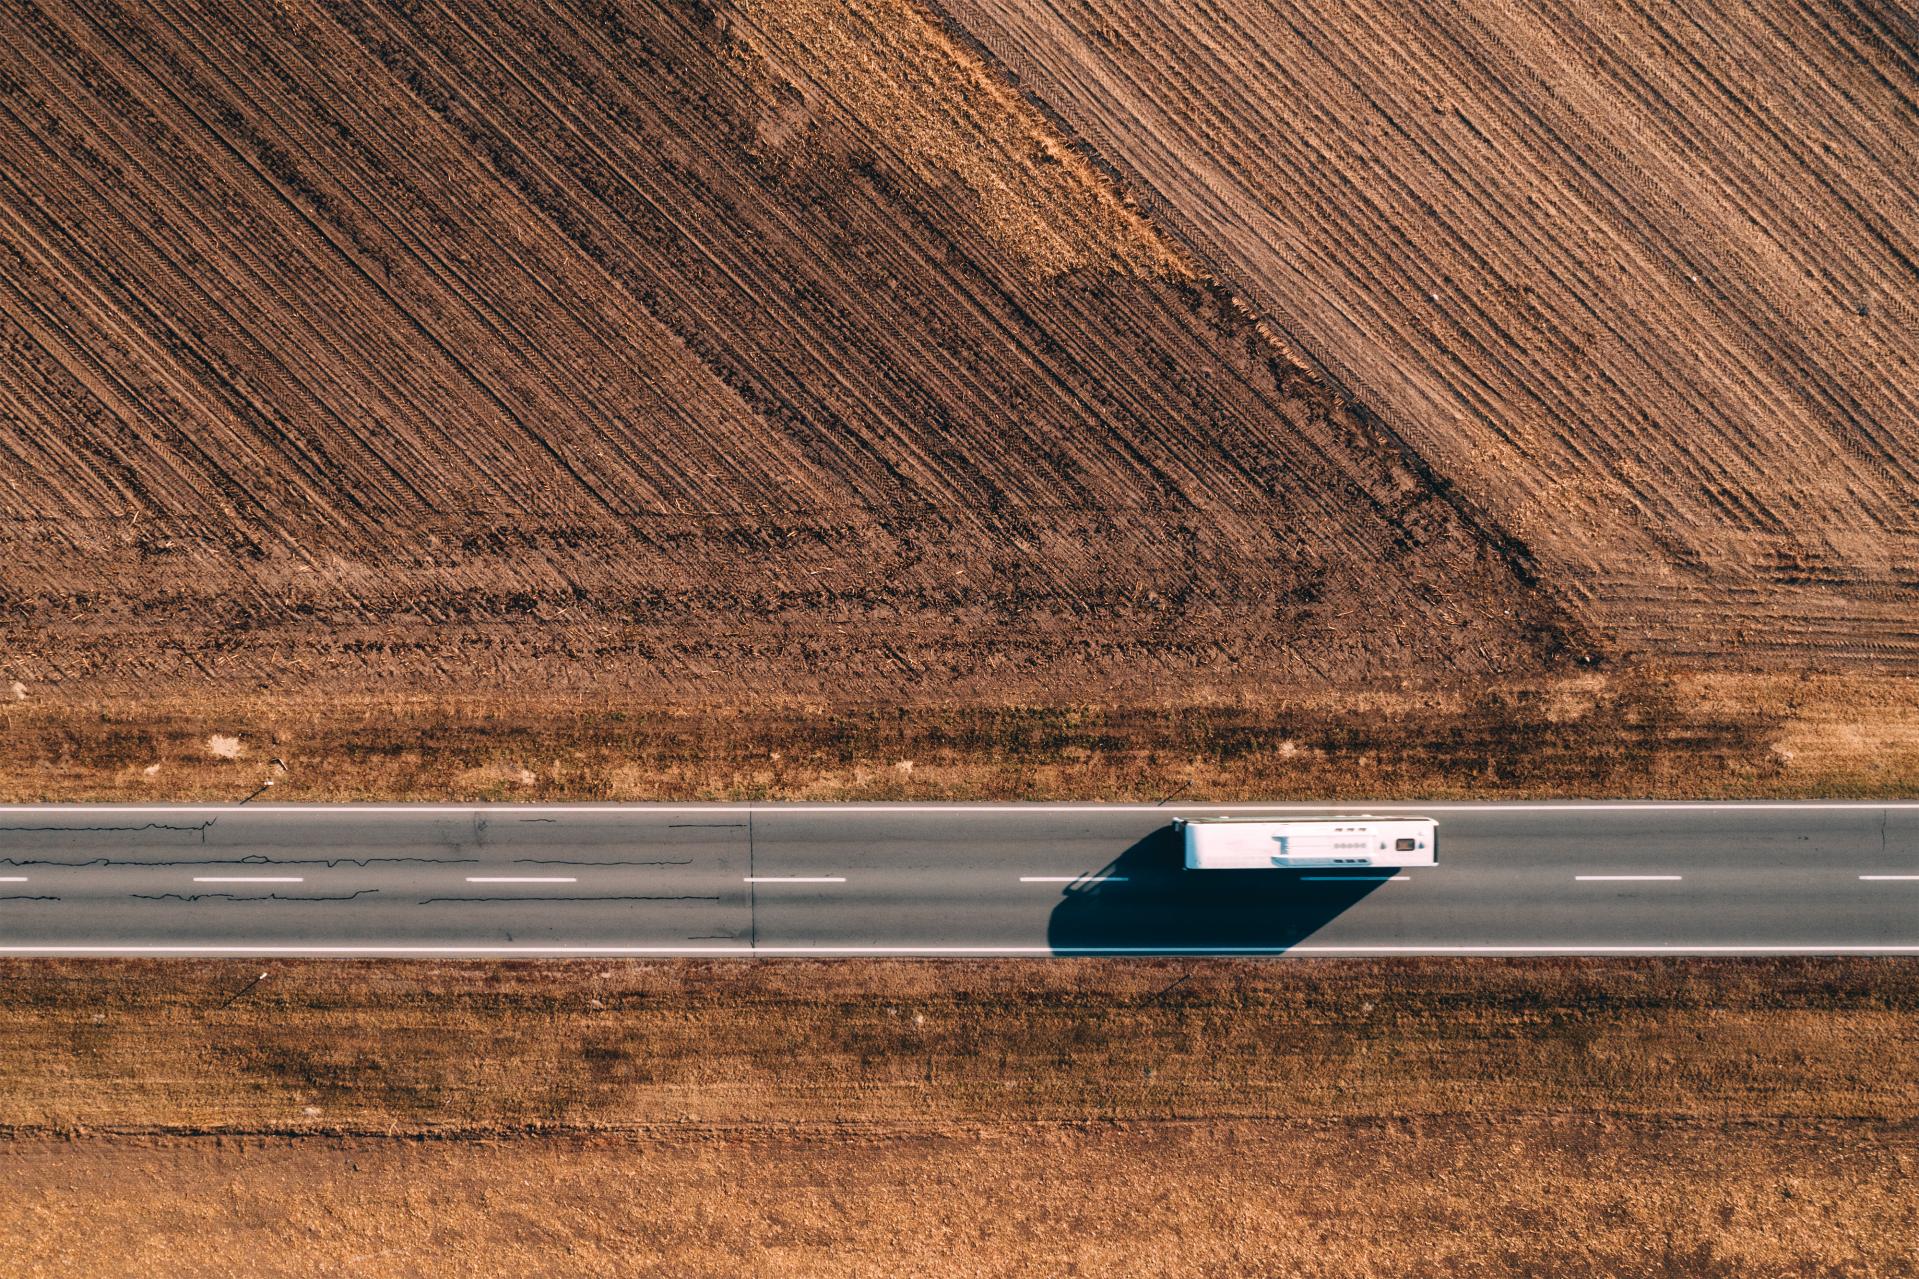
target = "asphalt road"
x: 1518, y: 879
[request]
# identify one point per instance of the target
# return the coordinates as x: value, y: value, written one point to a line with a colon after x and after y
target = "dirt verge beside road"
x: 475, y: 1049
x: 1633, y: 735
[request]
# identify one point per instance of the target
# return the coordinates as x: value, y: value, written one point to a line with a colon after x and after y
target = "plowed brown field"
x: 1640, y: 278
x: 771, y: 349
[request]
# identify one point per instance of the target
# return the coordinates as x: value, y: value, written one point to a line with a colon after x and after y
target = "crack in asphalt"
x: 27, y: 897
x: 196, y: 828
x: 235, y: 897
x: 706, y: 825
x: 429, y: 901
x: 252, y: 859
x: 562, y: 861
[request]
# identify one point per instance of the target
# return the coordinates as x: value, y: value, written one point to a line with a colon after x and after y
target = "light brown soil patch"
x: 1636, y: 278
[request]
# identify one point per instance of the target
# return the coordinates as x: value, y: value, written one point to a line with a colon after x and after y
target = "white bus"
x: 1267, y: 843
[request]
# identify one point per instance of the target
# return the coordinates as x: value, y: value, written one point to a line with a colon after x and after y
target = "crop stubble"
x: 655, y: 348
x: 1621, y: 1118
x: 1638, y: 278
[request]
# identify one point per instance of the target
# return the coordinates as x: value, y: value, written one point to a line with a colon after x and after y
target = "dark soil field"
x: 655, y: 348
x: 1638, y: 278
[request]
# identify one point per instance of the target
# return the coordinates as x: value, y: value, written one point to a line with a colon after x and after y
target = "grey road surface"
x: 533, y: 880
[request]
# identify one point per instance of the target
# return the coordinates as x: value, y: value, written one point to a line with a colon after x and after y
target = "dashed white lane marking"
x: 1626, y: 879
x: 249, y: 879
x: 13, y: 879
x: 1073, y: 879
x: 1889, y: 877
x: 521, y: 879
x: 1361, y: 879
x: 794, y: 879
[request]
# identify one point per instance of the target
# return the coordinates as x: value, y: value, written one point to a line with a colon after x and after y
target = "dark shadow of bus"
x: 1147, y: 902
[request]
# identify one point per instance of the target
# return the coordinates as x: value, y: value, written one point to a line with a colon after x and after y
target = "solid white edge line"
x: 1170, y: 810
x: 1627, y: 879
x: 1361, y: 879
x: 1074, y: 879
x: 249, y: 879
x: 244, y: 949
x: 520, y: 879
x: 794, y: 879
